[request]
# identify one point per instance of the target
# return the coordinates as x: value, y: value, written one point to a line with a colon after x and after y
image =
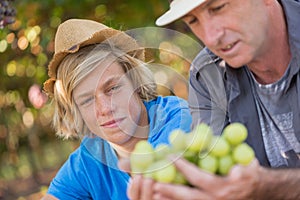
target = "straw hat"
x: 73, y: 34
x: 178, y: 8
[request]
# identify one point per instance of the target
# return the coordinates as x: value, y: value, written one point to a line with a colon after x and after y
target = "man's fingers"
x: 175, y: 192
x: 196, y: 176
x: 147, y: 189
x: 254, y: 163
x: 133, y: 190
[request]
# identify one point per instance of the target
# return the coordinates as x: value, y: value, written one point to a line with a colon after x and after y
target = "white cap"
x: 178, y: 8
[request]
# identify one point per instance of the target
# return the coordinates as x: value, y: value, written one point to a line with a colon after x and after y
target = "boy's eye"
x: 113, y: 88
x: 86, y: 101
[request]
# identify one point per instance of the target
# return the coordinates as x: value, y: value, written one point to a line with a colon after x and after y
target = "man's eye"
x: 192, y: 20
x: 189, y: 19
x: 218, y: 8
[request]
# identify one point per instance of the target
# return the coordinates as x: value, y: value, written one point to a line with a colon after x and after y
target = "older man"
x: 248, y: 73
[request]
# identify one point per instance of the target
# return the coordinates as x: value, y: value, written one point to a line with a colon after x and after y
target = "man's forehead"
x: 203, y: 6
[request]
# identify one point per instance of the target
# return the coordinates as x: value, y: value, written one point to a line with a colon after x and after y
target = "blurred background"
x: 30, y: 152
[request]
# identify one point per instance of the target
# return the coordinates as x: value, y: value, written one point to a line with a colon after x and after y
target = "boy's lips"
x: 112, y: 123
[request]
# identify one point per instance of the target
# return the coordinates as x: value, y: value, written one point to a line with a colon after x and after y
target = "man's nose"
x: 212, y: 31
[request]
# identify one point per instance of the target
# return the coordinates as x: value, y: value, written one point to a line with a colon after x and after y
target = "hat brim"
x: 178, y: 9
x: 118, y: 38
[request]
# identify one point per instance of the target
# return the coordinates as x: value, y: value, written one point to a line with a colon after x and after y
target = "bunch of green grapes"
x: 214, y: 154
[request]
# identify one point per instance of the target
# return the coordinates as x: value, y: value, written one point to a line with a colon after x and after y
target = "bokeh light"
x: 28, y: 119
x: 3, y: 45
x: 23, y: 43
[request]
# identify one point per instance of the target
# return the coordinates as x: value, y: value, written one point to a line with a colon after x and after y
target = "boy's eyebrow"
x: 111, y: 80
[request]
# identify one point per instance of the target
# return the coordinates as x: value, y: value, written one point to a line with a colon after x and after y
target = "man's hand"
x: 240, y: 183
x: 139, y: 188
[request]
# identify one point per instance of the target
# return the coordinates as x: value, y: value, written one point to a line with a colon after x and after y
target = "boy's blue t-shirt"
x: 91, y: 171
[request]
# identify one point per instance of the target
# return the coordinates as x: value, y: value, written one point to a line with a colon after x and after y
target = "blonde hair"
x: 67, y: 119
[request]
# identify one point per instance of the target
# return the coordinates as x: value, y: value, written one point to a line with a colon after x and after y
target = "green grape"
x: 191, y: 156
x: 151, y: 169
x: 219, y: 147
x: 141, y: 157
x: 161, y: 151
x: 143, y: 146
x: 235, y: 133
x: 225, y: 164
x: 208, y: 163
x: 243, y: 154
x: 147, y: 174
x: 177, y: 140
x: 165, y: 171
x: 180, y: 179
x: 200, y: 138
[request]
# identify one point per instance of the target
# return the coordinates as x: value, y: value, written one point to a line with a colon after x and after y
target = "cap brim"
x: 178, y: 9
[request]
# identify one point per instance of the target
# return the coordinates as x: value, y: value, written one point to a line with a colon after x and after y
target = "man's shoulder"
x: 204, y: 59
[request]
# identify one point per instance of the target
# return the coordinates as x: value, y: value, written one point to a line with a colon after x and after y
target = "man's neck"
x: 272, y: 65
